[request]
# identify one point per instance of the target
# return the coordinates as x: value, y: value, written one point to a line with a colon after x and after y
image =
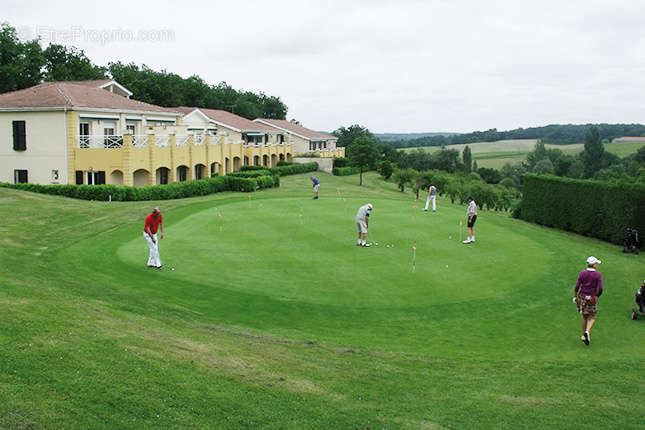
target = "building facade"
x: 306, y: 141
x: 93, y: 133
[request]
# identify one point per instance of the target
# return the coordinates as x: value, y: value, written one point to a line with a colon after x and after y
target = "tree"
x: 70, y: 64
x: 544, y: 166
x: 347, y: 136
x: 404, y: 177
x: 386, y: 168
x: 467, y: 158
x: 593, y: 152
x: 21, y: 63
x: 362, y: 153
x: 539, y: 153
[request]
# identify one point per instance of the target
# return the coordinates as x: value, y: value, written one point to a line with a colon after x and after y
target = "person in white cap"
x: 587, y: 290
x: 362, y: 222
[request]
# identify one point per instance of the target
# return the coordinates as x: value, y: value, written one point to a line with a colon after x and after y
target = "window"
x: 84, y: 134
x: 79, y: 177
x: 108, y: 131
x: 19, y: 136
x: 182, y: 173
x: 20, y: 176
x: 95, y: 178
x: 132, y: 128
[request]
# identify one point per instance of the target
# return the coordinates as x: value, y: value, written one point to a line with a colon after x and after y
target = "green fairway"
x: 496, y: 154
x: 274, y: 318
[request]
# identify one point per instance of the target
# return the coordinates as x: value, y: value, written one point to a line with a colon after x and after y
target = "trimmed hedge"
x: 593, y: 208
x: 290, y: 169
x: 345, y: 171
x: 175, y: 190
x: 251, y: 173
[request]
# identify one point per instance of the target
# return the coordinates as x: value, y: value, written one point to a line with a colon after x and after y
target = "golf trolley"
x: 632, y: 242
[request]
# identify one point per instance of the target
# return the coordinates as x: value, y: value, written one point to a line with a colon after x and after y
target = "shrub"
x: 340, y: 162
x: 246, y: 168
x: 345, y: 171
x: 251, y: 173
x: 593, y: 208
x: 176, y: 190
x: 294, y: 169
x: 284, y: 163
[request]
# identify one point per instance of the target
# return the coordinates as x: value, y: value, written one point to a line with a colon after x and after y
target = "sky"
x: 391, y: 66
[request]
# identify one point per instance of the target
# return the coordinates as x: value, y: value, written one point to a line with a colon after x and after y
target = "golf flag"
x: 414, y: 257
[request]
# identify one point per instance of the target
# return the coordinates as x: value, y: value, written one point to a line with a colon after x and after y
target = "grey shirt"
x: 433, y: 191
x: 472, y: 208
x: 363, y: 212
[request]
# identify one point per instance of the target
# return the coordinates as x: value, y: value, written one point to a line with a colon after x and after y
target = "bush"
x: 593, y: 208
x: 284, y: 163
x: 175, y: 190
x: 246, y: 168
x: 294, y: 169
x: 251, y: 173
x: 345, y: 171
x: 340, y: 162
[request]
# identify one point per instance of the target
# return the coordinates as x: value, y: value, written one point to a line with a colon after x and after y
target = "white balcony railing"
x: 140, y: 140
x: 181, y: 140
x: 162, y: 140
x: 100, y: 141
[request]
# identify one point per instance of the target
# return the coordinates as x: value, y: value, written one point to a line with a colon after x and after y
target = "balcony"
x: 100, y: 141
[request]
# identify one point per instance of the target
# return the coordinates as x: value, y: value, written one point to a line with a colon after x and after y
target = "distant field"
x: 496, y: 154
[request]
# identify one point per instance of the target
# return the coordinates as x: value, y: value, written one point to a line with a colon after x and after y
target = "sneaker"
x: 472, y: 240
x: 425, y: 210
x: 587, y: 338
x: 367, y: 245
x: 466, y: 241
x: 159, y: 267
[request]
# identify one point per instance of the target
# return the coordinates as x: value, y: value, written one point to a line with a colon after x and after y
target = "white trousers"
x: 434, y: 203
x: 154, y: 259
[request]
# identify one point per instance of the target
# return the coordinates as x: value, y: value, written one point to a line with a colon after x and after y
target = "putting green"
x: 266, y: 248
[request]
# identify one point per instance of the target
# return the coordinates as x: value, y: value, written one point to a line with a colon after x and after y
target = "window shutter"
x: 19, y: 136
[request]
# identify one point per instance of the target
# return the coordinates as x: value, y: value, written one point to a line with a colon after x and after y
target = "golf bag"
x: 632, y: 242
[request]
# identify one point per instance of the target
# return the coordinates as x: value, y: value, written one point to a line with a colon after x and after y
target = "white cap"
x: 593, y: 260
x: 369, y: 205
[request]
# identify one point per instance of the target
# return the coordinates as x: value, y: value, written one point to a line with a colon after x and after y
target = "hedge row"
x: 289, y: 169
x: 175, y: 190
x: 599, y: 209
x: 345, y: 171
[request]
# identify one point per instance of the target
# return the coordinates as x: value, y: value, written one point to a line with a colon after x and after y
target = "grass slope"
x: 280, y: 321
x: 496, y: 154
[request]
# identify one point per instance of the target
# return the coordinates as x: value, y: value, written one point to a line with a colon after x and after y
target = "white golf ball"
x: 376, y: 243
x: 392, y: 245
x: 387, y: 246
x: 172, y: 268
x: 446, y: 266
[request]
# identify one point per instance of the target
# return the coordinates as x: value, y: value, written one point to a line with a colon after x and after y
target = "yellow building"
x: 91, y: 132
x: 306, y: 142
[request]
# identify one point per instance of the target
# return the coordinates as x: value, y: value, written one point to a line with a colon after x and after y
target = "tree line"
x: 557, y: 134
x: 24, y: 64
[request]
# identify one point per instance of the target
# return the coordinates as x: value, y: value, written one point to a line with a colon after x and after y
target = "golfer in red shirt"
x: 153, y: 222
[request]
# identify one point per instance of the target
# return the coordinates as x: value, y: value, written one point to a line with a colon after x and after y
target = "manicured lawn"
x: 496, y: 154
x: 275, y: 320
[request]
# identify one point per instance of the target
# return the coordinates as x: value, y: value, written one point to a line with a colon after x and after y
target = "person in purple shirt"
x: 587, y: 290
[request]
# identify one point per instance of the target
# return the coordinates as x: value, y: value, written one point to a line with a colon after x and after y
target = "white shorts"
x: 361, y: 226
x: 316, y: 188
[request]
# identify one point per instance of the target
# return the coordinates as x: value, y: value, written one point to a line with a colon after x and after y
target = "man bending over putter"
x: 316, y: 186
x: 362, y: 222
x: 153, y: 222
x: 472, y: 217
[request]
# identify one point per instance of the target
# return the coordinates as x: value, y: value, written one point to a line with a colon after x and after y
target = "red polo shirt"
x: 153, y: 223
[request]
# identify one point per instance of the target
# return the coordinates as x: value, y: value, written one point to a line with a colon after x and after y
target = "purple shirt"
x: 589, y: 283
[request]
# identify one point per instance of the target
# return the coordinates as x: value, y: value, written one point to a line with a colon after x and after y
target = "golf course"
x: 266, y: 315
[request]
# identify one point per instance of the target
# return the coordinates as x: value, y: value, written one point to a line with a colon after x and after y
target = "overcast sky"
x: 392, y: 66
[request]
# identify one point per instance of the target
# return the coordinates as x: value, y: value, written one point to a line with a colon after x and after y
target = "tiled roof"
x: 73, y: 95
x: 229, y: 119
x: 298, y: 129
